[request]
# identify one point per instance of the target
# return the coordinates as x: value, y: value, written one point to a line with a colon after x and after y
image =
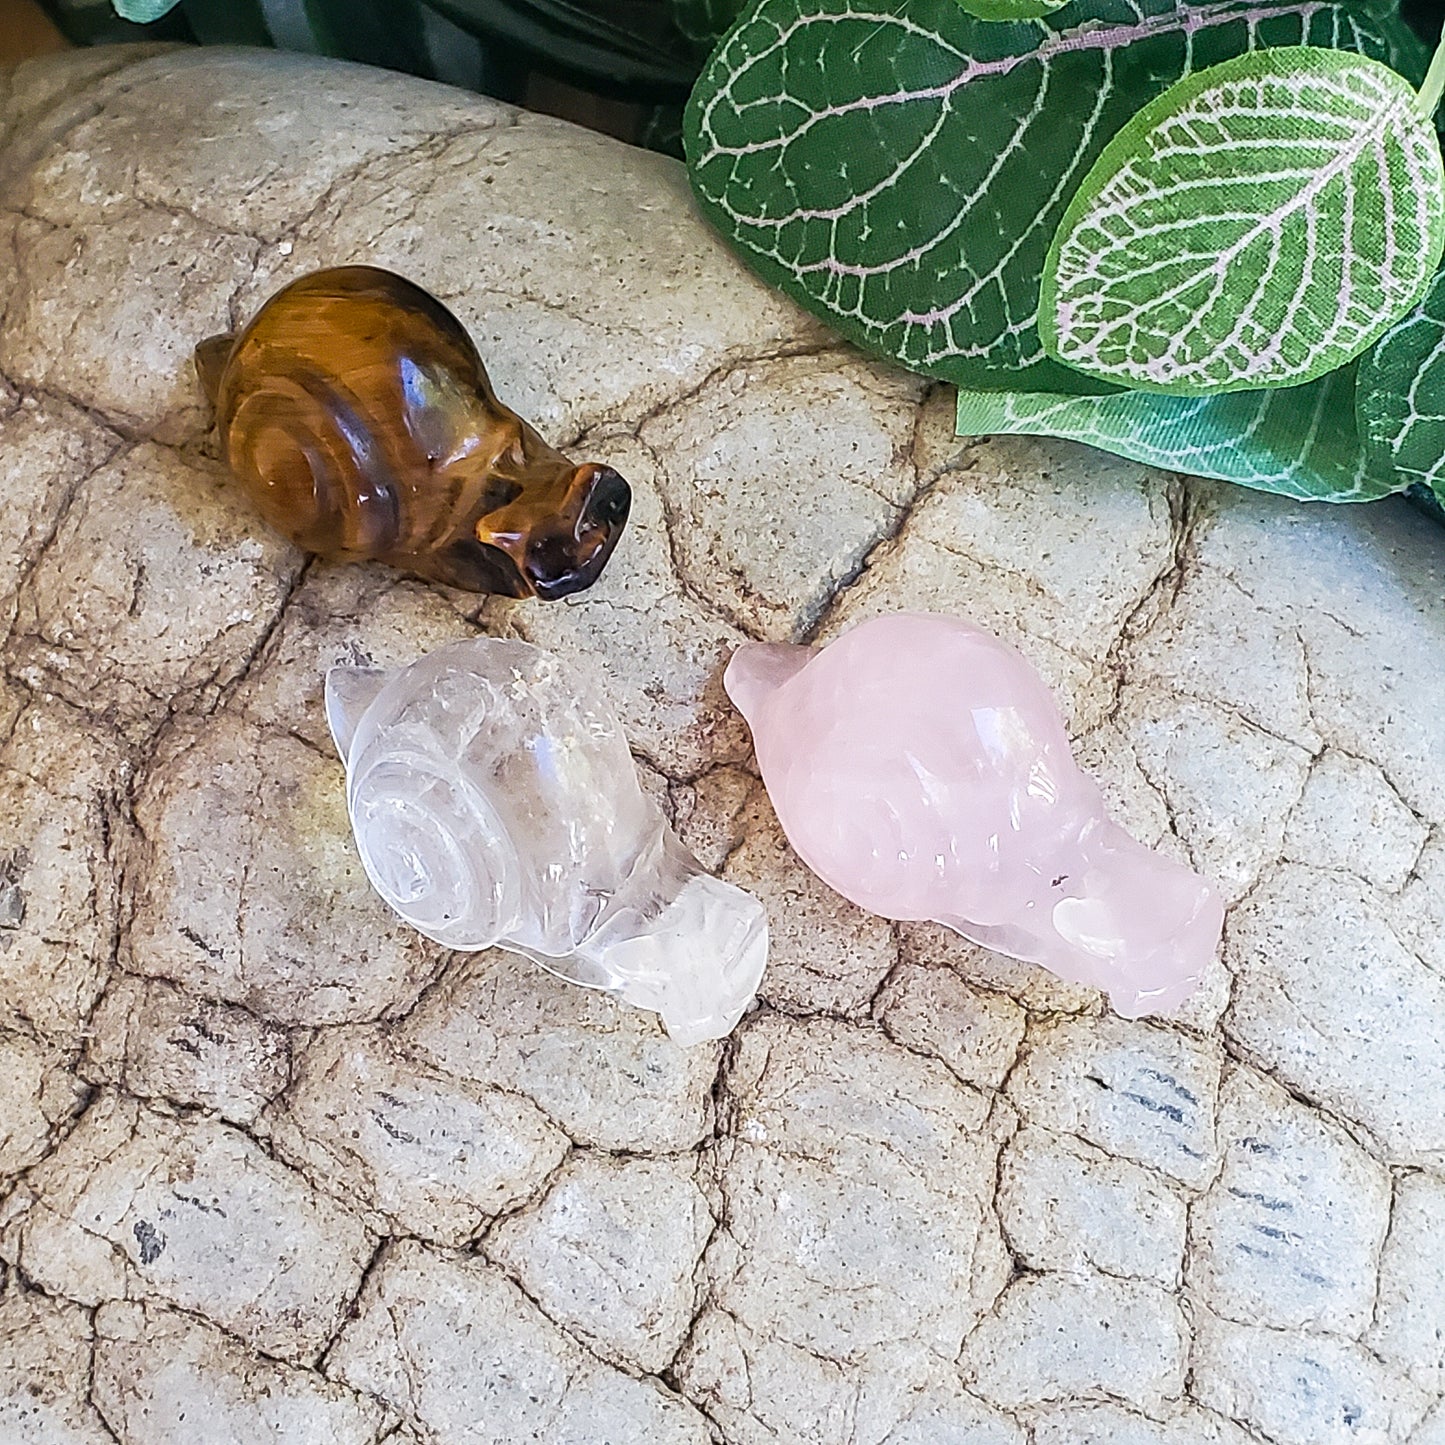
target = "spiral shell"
x: 435, y: 851
x: 358, y: 416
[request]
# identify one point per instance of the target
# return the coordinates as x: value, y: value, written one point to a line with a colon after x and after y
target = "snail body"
x: 357, y: 414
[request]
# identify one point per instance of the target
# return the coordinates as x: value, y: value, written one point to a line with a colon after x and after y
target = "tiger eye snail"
x: 357, y: 414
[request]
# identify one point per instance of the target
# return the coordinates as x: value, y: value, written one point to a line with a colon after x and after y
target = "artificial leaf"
x: 142, y: 12
x: 227, y: 22
x: 1011, y: 9
x: 1300, y: 441
x: 901, y: 169
x: 1401, y: 395
x: 1257, y: 225
x: 705, y: 22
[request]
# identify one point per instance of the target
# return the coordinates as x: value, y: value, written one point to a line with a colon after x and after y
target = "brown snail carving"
x: 356, y: 412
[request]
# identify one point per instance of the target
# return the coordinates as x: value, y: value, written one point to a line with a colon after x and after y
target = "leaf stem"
x: 1428, y: 100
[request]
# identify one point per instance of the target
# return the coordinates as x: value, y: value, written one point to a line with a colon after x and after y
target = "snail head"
x: 542, y: 526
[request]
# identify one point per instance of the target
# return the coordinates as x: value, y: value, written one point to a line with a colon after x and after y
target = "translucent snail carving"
x: 357, y: 414
x: 494, y: 802
x: 920, y: 767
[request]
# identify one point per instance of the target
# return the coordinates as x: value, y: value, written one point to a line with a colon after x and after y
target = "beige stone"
x: 47, y: 449
x: 516, y: 1377
x: 142, y: 603
x: 1227, y: 785
x: 1302, y: 1389
x: 934, y: 946
x: 136, y: 1204
x: 1408, y: 1325
x: 1417, y: 912
x: 38, y: 1095
x: 712, y: 813
x: 1289, y: 1234
x: 364, y: 616
x: 284, y: 1169
x: 647, y: 621
x: 1431, y: 1430
x: 933, y: 1011
x: 160, y: 1042
x: 1218, y: 645
x: 611, y: 1252
x: 427, y: 1154
x: 60, y: 777
x: 824, y: 955
x: 163, y: 1378
x: 45, y: 1349
x: 1003, y: 538
x: 1065, y: 1204
x: 1146, y: 1094
x: 816, y: 1255
x: 1106, y: 1424
x: 72, y: 332
x: 1329, y: 996
x: 1079, y: 1335
x: 607, y: 1075
x: 253, y: 890
x: 723, y: 448
x: 1351, y: 819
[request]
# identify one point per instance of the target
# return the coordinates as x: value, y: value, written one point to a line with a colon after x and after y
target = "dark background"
x: 621, y: 66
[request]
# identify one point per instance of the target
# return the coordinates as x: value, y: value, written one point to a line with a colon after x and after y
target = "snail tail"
x: 211, y: 357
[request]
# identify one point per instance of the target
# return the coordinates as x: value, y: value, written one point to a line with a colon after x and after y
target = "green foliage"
x: 1257, y: 225
x: 1401, y: 395
x: 1011, y: 9
x: 375, y: 32
x: 705, y: 22
x: 1300, y: 440
x: 634, y: 50
x: 901, y: 170
x: 142, y: 12
x: 628, y: 48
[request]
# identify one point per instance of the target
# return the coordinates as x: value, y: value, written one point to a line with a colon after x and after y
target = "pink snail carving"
x: 920, y: 767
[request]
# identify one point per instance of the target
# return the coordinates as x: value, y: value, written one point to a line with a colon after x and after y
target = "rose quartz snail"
x: 920, y: 767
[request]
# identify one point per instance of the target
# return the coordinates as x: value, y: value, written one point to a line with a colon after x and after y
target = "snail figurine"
x: 357, y: 414
x: 494, y: 802
x: 920, y: 767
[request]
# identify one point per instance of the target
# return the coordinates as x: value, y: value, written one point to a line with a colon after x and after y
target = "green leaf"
x: 901, y: 169
x: 142, y: 12
x: 1011, y: 9
x: 1300, y: 441
x: 1401, y: 395
x: 705, y: 22
x: 1257, y: 225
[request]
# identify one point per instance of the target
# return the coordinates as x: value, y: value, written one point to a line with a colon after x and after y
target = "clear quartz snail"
x: 494, y: 802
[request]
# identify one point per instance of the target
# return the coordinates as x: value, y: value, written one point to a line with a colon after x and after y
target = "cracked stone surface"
x: 164, y: 1377
x: 273, y: 1167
